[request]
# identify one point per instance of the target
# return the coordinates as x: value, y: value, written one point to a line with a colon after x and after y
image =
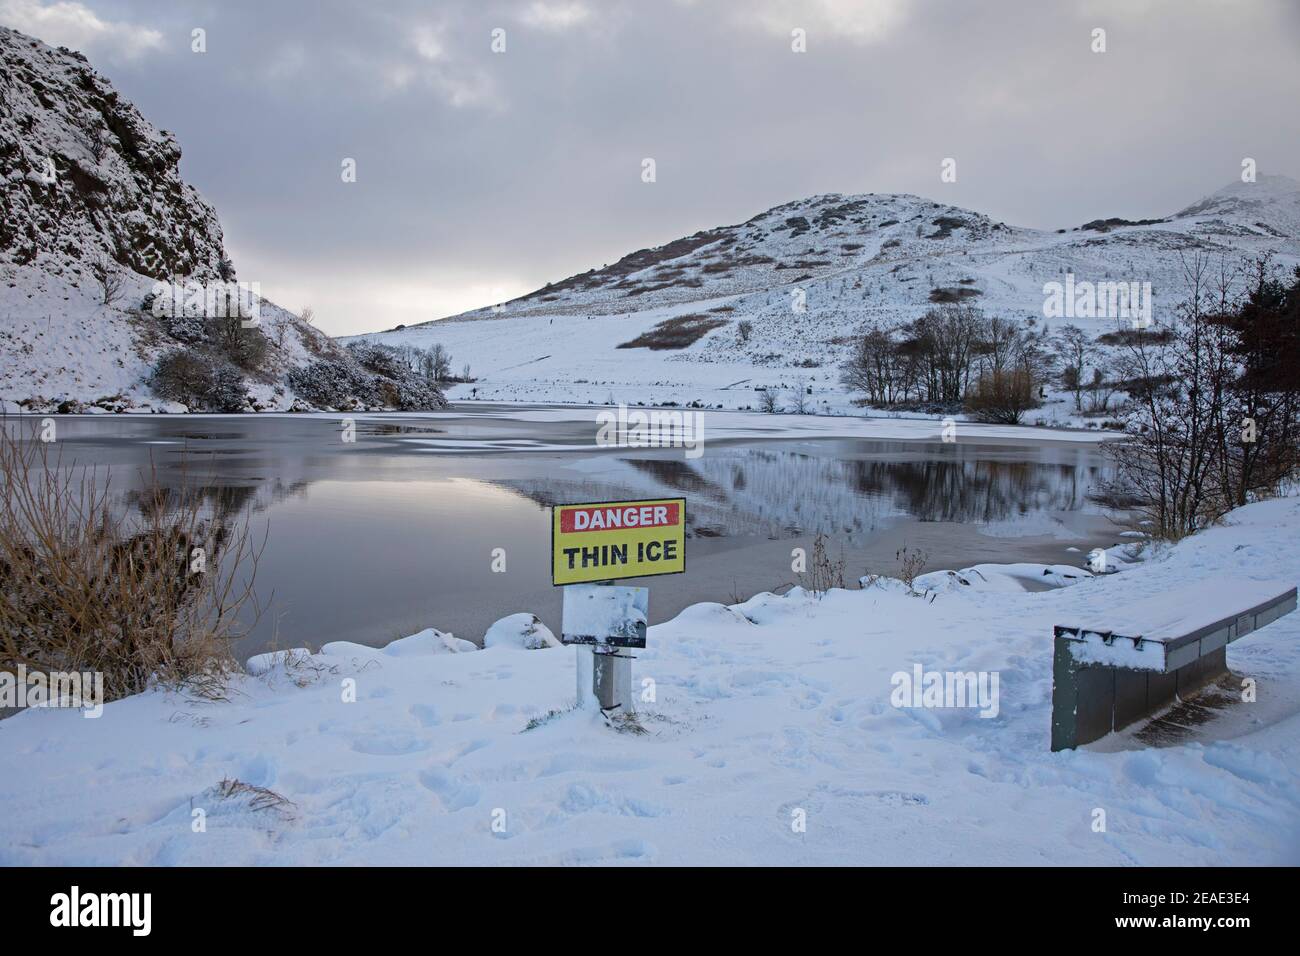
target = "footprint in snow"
x: 389, y: 745
x: 426, y: 714
x: 454, y: 793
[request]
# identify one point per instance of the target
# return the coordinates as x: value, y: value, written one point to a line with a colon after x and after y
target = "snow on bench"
x: 1125, y: 664
x: 1173, y: 628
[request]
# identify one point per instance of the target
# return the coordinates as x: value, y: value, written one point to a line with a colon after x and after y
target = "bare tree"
x: 1076, y: 349
x: 877, y: 369
x: 1172, y: 460
x: 441, y: 363
x: 799, y: 397
x: 1100, y: 392
x: 1259, y: 442
x: 435, y: 363
x: 281, y: 331
x: 111, y: 278
x: 946, y: 339
x: 767, y: 401
x: 93, y: 136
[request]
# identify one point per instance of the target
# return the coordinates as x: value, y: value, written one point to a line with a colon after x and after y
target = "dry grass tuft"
x: 259, y: 798
x: 145, y: 594
x: 825, y: 572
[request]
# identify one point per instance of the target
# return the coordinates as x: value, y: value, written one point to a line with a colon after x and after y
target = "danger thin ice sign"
x: 603, y: 540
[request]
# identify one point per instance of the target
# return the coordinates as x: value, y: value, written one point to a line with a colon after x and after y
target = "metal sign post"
x: 605, y: 621
x: 591, y: 544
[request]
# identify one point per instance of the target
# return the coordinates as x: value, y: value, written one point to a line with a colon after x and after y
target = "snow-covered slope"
x: 848, y: 259
x: 87, y: 184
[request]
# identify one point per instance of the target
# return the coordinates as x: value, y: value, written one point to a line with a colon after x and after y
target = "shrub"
x: 384, y: 379
x: 182, y: 376
x: 953, y: 294
x: 247, y: 347
x: 825, y: 572
x: 1212, y: 425
x: 90, y: 585
x: 1128, y: 337
x: 331, y: 383
x: 1002, y: 397
x: 910, y: 563
x: 190, y: 329
x: 227, y: 392
x: 195, y: 380
x: 380, y: 359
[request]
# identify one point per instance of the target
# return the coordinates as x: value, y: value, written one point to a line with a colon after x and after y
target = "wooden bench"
x: 1131, y: 663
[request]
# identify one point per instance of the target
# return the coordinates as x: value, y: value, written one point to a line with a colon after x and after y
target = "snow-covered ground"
x: 771, y: 738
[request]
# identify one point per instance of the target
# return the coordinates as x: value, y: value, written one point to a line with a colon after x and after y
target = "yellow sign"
x: 604, y: 540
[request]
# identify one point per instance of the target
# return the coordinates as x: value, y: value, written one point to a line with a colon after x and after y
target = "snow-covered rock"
x: 520, y: 630
x: 421, y: 644
x: 88, y: 189
x: 1021, y: 576
x: 260, y: 664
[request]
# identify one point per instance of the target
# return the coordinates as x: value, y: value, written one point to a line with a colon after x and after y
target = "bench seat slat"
x: 1169, y: 630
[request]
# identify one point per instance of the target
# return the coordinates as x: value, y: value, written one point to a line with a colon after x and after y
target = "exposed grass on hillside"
x: 675, y: 333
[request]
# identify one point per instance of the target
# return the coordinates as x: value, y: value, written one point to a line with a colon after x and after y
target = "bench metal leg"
x: 1065, y: 697
x: 1090, y: 702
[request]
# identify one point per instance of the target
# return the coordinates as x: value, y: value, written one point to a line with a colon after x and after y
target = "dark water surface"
x: 375, y: 539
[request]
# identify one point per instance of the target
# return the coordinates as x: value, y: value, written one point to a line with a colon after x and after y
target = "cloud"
x: 455, y: 81
x: 77, y: 27
x: 480, y: 169
x: 555, y: 17
x: 862, y: 21
x: 427, y: 44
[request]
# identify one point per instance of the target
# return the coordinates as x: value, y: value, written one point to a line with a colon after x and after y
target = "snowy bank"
x: 772, y: 737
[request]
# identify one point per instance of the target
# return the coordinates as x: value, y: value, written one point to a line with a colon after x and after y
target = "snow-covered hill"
x: 806, y: 274
x: 88, y: 189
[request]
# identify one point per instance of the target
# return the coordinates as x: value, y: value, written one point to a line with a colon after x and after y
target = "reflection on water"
x: 372, y: 540
x: 847, y: 487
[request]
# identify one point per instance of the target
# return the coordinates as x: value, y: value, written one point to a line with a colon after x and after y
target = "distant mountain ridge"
x: 833, y: 235
x: 777, y: 298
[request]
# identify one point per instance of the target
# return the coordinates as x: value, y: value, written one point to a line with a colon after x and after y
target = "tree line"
x: 1214, y: 417
x: 953, y: 357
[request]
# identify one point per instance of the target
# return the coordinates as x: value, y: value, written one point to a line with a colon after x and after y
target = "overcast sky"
x: 483, y: 175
